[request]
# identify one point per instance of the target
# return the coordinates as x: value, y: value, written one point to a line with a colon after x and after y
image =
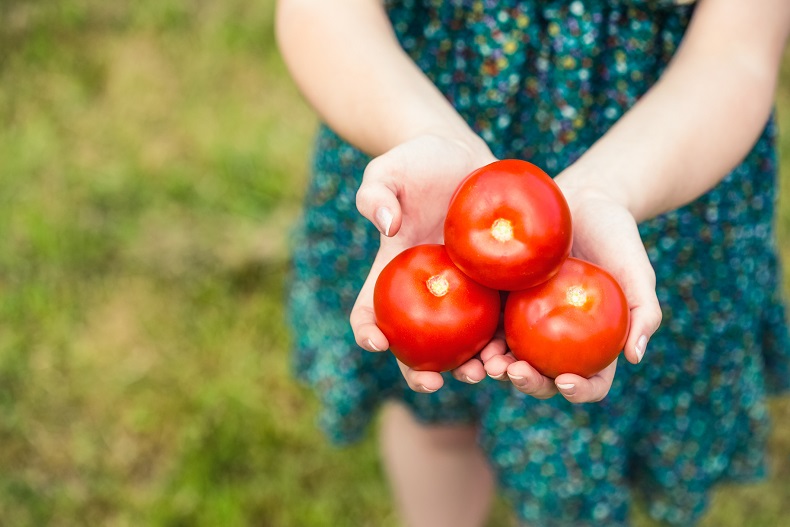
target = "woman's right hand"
x: 405, y: 193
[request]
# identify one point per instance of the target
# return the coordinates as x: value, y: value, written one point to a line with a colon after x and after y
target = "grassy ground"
x: 152, y: 158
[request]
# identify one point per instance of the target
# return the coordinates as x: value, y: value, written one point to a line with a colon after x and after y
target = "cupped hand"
x: 405, y: 193
x: 503, y: 366
x: 604, y: 233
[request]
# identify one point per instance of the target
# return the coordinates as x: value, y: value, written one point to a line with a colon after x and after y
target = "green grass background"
x: 152, y: 159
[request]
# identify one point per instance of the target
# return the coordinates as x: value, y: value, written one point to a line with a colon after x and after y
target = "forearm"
x: 348, y: 63
x: 700, y: 120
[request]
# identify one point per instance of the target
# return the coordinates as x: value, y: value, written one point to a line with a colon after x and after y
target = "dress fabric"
x: 541, y: 81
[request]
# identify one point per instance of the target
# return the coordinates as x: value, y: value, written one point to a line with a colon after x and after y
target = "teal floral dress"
x: 541, y: 81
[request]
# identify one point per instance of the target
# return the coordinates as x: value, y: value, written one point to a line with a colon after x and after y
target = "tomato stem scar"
x: 576, y: 296
x: 502, y: 230
x: 438, y: 285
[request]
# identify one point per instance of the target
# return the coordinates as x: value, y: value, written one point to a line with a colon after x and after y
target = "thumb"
x: 645, y: 310
x: 377, y: 197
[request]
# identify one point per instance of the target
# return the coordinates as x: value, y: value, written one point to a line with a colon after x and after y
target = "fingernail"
x: 370, y: 343
x: 425, y: 390
x: 384, y: 220
x: 497, y: 377
x: 641, y: 346
x: 470, y: 381
x: 567, y: 389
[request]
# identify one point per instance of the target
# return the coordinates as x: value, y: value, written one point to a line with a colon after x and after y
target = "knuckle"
x: 649, y: 273
x: 652, y: 276
x: 363, y: 198
x: 373, y: 167
x: 528, y: 391
x: 375, y: 170
x: 538, y: 392
x: 658, y: 316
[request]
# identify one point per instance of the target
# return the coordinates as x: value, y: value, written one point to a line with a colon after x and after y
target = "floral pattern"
x: 541, y: 81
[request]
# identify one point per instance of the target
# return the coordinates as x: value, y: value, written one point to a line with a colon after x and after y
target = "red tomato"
x: 435, y: 317
x: 577, y: 322
x: 508, y: 226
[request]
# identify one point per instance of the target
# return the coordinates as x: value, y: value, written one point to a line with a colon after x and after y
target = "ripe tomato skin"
x: 429, y: 332
x: 508, y: 226
x: 577, y: 322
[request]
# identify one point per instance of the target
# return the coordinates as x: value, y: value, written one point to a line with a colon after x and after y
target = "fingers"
x: 639, y: 284
x: 496, y: 365
x: 368, y: 336
x: 366, y: 333
x: 363, y: 323
x: 377, y: 197
x: 527, y: 380
x: 475, y: 369
x: 363, y: 318
x: 577, y: 389
x: 421, y: 381
x: 470, y: 372
x: 495, y: 358
x: 645, y: 320
x: 501, y: 365
x: 574, y: 388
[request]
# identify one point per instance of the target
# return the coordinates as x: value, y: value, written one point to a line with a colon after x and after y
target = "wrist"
x: 581, y: 186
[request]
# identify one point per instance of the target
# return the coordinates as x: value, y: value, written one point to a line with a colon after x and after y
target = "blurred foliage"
x: 152, y: 161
